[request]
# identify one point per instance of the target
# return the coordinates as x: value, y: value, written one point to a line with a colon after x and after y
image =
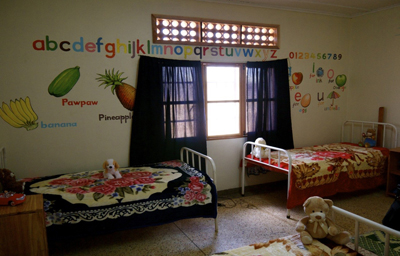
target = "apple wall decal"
x: 341, y: 80
x: 297, y: 78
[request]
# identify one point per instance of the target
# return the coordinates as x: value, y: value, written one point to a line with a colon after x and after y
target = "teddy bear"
x: 8, y: 182
x: 258, y: 151
x: 317, y: 225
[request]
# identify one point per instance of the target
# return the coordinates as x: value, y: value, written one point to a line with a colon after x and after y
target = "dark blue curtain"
x: 268, y: 103
x: 169, y: 110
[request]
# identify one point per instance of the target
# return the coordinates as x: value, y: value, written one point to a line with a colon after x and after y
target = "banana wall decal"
x: 19, y: 114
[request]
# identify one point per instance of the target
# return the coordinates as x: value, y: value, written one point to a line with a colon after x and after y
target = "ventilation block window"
x: 182, y: 30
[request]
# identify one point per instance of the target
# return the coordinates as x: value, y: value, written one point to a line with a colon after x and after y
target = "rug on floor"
x: 374, y: 241
x: 291, y: 246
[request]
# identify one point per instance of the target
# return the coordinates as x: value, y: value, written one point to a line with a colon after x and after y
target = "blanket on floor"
x: 374, y: 241
x: 291, y: 245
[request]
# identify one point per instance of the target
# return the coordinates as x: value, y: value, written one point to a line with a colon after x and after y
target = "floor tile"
x: 166, y: 239
x: 258, y: 216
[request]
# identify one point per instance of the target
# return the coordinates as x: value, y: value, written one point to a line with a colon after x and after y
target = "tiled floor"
x: 257, y: 217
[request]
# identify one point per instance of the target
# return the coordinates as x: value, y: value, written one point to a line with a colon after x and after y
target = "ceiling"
x: 341, y: 8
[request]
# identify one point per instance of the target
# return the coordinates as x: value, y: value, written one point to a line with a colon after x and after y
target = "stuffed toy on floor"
x: 316, y: 225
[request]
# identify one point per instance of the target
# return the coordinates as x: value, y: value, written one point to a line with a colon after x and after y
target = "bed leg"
x: 387, y: 244
x: 243, y: 170
x: 288, y: 214
x: 216, y: 225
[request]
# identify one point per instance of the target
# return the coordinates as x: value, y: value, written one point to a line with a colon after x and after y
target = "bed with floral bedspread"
x: 86, y: 203
x: 325, y: 170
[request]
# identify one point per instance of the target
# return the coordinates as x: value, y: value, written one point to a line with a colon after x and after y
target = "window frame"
x: 199, y: 37
x: 242, y: 100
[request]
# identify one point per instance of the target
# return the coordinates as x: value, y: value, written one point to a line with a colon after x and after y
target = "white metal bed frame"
x: 351, y: 124
x: 190, y: 156
x: 358, y: 219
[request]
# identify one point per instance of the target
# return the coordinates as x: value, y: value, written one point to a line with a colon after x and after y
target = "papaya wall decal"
x: 126, y: 93
x: 64, y: 82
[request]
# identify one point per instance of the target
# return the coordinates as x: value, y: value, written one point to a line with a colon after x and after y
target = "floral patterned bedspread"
x: 325, y: 163
x: 322, y: 164
x: 325, y: 170
x: 88, y: 196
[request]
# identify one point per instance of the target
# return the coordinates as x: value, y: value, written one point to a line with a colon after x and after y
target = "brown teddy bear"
x: 9, y: 183
x: 317, y: 225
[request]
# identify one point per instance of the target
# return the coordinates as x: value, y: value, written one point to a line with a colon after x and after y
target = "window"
x: 179, y: 99
x: 224, y: 96
x: 171, y: 98
x: 182, y: 30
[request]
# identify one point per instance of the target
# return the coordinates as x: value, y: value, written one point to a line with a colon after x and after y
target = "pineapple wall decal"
x: 125, y: 92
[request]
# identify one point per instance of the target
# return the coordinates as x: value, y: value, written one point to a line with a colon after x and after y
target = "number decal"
x: 312, y: 55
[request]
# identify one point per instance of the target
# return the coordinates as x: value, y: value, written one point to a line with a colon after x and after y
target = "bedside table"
x: 23, y: 228
x: 393, y: 173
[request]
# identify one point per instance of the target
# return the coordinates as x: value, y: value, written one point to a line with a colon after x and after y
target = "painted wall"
x: 79, y: 130
x: 374, y: 66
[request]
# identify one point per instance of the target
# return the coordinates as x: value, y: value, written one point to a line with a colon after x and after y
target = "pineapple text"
x: 121, y: 118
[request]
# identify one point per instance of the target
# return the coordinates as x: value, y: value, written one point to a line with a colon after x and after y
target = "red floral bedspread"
x: 325, y: 170
x: 144, y: 196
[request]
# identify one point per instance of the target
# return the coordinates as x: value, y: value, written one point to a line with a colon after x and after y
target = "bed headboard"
x: 352, y: 132
x: 2, y: 158
x: 199, y: 161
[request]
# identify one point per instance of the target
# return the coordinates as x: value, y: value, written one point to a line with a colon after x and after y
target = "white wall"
x: 374, y: 66
x: 28, y: 72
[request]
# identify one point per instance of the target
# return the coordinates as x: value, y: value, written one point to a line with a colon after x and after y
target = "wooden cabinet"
x: 23, y: 229
x: 393, y: 174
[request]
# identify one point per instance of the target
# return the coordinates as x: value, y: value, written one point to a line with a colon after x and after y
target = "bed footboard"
x: 249, y: 145
x: 195, y: 159
x: 202, y: 163
x: 358, y: 219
